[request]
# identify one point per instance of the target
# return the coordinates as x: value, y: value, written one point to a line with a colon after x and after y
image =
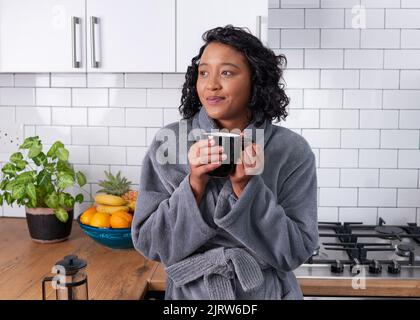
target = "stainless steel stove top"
x: 349, y: 250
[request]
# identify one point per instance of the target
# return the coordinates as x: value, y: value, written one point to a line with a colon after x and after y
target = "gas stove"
x: 352, y: 249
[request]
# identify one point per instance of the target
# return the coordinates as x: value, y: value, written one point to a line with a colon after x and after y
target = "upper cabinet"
x: 115, y: 35
x: 42, y: 35
x: 194, y: 17
x: 131, y: 35
x: 87, y: 36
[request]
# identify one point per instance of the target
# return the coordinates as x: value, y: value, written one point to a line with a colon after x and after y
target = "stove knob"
x: 375, y: 267
x: 394, y: 267
x: 337, y: 267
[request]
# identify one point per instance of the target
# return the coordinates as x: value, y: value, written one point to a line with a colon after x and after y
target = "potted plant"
x: 49, y: 209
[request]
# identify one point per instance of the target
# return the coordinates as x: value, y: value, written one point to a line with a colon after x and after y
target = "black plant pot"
x: 44, y: 227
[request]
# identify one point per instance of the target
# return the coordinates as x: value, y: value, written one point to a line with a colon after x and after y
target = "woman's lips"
x: 214, y: 100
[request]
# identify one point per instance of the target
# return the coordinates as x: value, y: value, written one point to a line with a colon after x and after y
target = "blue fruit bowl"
x: 111, y: 238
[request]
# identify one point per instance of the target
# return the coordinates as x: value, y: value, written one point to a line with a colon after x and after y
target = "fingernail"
x: 221, y: 149
x: 212, y: 141
x: 224, y: 156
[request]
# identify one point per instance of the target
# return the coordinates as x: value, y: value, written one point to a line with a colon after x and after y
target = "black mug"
x: 232, y: 146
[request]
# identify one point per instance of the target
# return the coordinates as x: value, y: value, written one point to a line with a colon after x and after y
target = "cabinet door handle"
x: 93, y: 21
x: 74, y: 21
x: 258, y: 31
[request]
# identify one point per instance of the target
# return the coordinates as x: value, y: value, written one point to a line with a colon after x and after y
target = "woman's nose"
x: 213, y: 83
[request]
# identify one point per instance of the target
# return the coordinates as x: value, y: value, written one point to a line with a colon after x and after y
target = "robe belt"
x: 218, y: 266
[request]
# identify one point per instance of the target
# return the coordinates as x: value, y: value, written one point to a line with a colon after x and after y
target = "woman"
x: 238, y: 237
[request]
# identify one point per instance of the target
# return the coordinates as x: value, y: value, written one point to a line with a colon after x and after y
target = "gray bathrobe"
x: 228, y: 247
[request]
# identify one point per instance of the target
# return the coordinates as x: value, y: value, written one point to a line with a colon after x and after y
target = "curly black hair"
x: 268, y: 98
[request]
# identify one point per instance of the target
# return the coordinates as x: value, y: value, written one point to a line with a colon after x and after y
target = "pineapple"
x: 119, y: 186
x: 130, y: 195
x: 115, y: 185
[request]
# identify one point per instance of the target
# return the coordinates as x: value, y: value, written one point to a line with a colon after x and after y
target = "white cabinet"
x: 131, y: 35
x: 115, y: 35
x: 42, y: 35
x: 194, y: 17
x: 87, y: 36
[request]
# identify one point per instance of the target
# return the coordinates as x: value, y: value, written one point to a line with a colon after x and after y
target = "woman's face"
x: 224, y: 85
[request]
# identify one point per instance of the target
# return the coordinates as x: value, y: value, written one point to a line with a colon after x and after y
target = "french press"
x: 70, y: 283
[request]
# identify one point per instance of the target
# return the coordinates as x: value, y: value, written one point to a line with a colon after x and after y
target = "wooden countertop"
x: 112, y: 274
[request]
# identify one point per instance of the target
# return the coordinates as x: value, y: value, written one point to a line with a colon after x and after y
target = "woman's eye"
x: 224, y: 73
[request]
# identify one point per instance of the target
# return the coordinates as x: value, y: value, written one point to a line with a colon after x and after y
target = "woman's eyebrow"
x: 223, y: 64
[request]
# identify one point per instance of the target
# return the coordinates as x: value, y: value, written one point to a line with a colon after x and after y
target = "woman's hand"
x: 203, y: 157
x: 251, y: 163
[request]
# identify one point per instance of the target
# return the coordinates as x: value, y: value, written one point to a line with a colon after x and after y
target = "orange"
x: 101, y: 220
x: 86, y: 216
x: 118, y: 222
x: 125, y: 215
x: 121, y: 219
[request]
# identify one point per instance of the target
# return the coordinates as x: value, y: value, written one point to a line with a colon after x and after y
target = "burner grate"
x: 414, y: 230
x: 347, y: 237
x: 358, y: 250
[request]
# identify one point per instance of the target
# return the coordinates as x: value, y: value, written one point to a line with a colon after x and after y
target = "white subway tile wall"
x: 352, y: 77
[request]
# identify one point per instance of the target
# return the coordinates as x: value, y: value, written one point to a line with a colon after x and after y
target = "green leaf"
x: 50, y: 167
x: 61, y: 214
x: 17, y: 156
x: 64, y: 166
x: 9, y: 169
x: 31, y: 192
x: 69, y: 202
x: 3, y: 183
x: 45, y: 189
x: 79, y: 198
x: 51, y: 200
x: 62, y: 154
x: 35, y: 149
x: 40, y: 159
x: 1, y: 200
x: 62, y: 199
x: 43, y: 178
x: 33, y: 204
x: 65, y: 180
x: 41, y: 192
x: 18, y: 191
x: 21, y: 164
x: 50, y: 187
x: 8, y: 197
x: 52, y: 152
x: 28, y: 143
x: 9, y: 186
x: 81, y: 178
x: 25, y: 177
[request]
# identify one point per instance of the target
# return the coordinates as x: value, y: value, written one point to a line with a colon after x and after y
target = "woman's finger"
x: 203, y: 143
x: 239, y: 170
x: 212, y: 158
x: 249, y: 156
x: 206, y: 168
x: 205, y: 151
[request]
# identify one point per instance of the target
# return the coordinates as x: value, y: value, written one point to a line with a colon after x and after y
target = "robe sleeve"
x: 280, y: 229
x: 168, y: 225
